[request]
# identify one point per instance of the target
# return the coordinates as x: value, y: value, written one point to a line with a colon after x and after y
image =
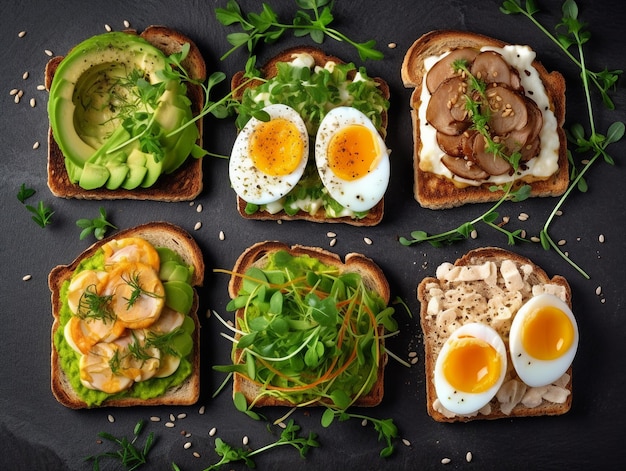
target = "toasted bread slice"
x: 181, y: 185
x: 256, y: 256
x: 159, y: 234
x: 476, y: 300
x: 269, y: 70
x: 438, y: 192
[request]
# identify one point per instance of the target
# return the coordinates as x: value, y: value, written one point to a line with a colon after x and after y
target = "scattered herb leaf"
x: 129, y: 455
x: 42, y: 214
x: 98, y: 226
x: 25, y: 193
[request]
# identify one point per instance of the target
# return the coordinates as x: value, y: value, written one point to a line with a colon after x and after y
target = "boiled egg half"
x: 470, y: 368
x: 269, y: 157
x: 352, y: 159
x: 543, y: 340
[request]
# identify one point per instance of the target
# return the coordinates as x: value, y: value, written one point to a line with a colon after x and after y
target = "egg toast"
x: 489, y: 286
x: 165, y: 248
x: 454, y: 162
x: 240, y: 83
x: 305, y: 382
x: 183, y: 184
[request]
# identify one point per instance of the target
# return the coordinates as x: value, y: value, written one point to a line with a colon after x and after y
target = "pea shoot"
x: 313, y: 19
x: 97, y: 226
x: 570, y: 34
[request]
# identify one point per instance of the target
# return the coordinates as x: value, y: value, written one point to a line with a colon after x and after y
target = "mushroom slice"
x: 456, y: 146
x: 444, y: 69
x: 508, y: 109
x: 526, y: 140
x: 491, y: 163
x: 464, y: 168
x: 490, y: 67
x: 446, y: 108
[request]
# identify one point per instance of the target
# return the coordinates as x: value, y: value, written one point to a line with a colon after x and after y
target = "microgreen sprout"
x: 313, y: 19
x: 574, y: 36
x: 96, y: 226
x: 42, y: 214
x: 137, y: 290
x: 130, y: 456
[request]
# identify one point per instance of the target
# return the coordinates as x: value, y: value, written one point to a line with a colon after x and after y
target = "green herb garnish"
x: 98, y: 226
x: 24, y: 193
x: 42, y: 214
x: 94, y: 306
x: 129, y: 455
x: 137, y: 290
x: 313, y: 19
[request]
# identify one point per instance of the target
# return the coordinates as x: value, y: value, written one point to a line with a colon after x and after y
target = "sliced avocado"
x: 178, y: 295
x: 93, y: 176
x: 117, y: 175
x: 135, y: 176
x: 155, y: 169
x: 90, y: 70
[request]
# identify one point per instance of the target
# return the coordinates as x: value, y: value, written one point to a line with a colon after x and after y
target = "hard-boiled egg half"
x: 543, y: 340
x: 470, y: 368
x: 352, y: 159
x: 269, y: 157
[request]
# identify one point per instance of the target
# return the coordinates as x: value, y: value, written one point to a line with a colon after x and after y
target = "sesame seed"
x: 601, y: 238
x: 110, y: 418
x: 392, y: 45
x: 21, y: 34
x: 282, y: 424
x: 280, y: 221
x: 20, y: 93
x: 406, y: 442
x: 599, y: 290
x: 559, y: 213
x: 154, y: 418
x: 13, y: 91
x: 523, y: 217
x: 187, y: 445
x: 172, y: 418
x: 41, y: 87
x: 468, y: 456
x: 245, y: 440
x: 108, y: 28
x: 474, y: 234
x: 445, y: 460
x: 535, y: 239
x: 36, y: 145
x: 332, y: 242
x: 126, y: 24
x: 561, y: 242
x: 48, y: 52
x: 169, y: 424
x: 196, y: 454
x: 221, y: 235
x: 181, y: 416
x: 191, y: 203
x: 33, y: 103
x: 26, y: 277
x: 199, y: 208
x: 364, y: 423
x: 212, y: 432
x: 414, y: 360
x: 367, y: 240
x: 202, y: 409
x: 197, y: 226
x: 331, y: 234
x: 25, y: 75
x: 505, y: 219
x: 412, y: 354
x: 17, y: 98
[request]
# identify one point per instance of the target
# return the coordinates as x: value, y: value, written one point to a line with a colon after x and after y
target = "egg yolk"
x: 472, y: 365
x: 352, y: 152
x: 547, y: 333
x: 276, y: 147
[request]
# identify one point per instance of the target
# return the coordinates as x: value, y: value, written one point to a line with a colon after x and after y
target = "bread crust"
x: 372, y: 275
x: 436, y: 192
x: 183, y: 184
x: 433, y: 340
x: 270, y: 70
x: 160, y: 234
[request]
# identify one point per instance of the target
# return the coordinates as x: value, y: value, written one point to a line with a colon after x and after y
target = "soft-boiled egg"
x: 130, y: 249
x: 543, y: 340
x: 269, y: 157
x: 470, y: 368
x: 81, y: 284
x: 352, y: 159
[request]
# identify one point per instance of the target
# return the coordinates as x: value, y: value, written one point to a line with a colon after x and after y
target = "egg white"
x: 532, y: 371
x: 363, y: 193
x: 252, y: 184
x: 461, y: 402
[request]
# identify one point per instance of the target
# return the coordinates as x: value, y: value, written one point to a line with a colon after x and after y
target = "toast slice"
x: 158, y: 234
x: 477, y: 298
x: 181, y: 185
x: 440, y: 188
x: 239, y: 84
x: 257, y: 256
